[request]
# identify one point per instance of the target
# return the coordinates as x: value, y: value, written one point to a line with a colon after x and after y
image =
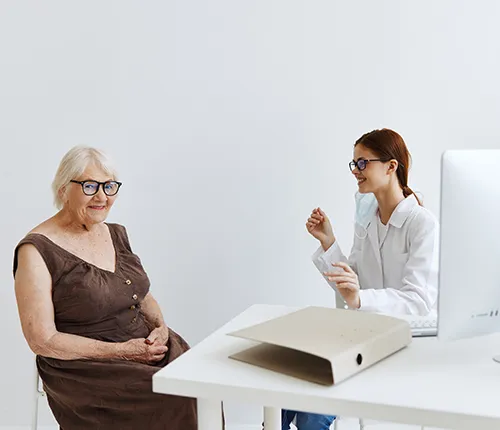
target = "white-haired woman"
x: 87, y: 313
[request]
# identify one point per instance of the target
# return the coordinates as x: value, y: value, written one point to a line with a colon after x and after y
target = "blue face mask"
x: 366, y: 208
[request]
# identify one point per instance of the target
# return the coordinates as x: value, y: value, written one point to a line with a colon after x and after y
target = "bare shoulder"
x: 29, y: 262
x: 28, y: 256
x: 28, y: 251
x: 31, y: 273
x: 47, y: 228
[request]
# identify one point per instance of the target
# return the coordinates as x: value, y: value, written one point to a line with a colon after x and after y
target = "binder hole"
x: 359, y: 359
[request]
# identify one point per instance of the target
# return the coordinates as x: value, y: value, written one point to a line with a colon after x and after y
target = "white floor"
x: 47, y: 422
x: 353, y: 424
x: 344, y: 424
x: 350, y: 424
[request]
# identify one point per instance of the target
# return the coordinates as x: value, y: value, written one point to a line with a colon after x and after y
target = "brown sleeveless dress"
x: 103, y: 305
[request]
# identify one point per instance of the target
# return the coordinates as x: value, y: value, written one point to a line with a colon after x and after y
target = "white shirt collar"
x: 403, y: 211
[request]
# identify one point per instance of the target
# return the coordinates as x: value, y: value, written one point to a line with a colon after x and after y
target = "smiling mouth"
x: 361, y: 180
x: 97, y: 208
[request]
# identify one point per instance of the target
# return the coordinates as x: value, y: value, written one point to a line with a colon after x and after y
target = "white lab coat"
x: 400, y: 275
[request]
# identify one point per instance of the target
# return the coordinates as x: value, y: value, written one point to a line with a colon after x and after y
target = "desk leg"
x: 272, y: 418
x: 209, y: 414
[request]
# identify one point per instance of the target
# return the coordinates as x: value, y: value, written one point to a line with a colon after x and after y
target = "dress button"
x: 128, y: 281
x: 134, y: 320
x: 134, y: 296
x: 132, y: 307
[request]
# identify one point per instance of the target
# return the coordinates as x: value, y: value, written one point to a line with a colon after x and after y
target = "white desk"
x: 449, y: 385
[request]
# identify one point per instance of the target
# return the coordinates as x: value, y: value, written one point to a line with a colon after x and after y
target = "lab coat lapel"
x: 376, y: 271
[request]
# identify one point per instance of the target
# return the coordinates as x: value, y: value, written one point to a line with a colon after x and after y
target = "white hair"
x: 74, y: 163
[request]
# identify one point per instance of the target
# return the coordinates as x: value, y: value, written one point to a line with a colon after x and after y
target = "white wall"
x: 229, y: 121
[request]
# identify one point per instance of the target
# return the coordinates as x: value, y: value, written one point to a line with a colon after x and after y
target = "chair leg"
x: 34, y: 418
x: 272, y: 418
x: 36, y: 395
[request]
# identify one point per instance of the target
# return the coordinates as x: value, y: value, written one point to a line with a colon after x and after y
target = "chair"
x: 38, y: 392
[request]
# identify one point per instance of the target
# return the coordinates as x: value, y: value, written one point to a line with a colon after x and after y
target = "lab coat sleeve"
x: 323, y: 260
x: 418, y: 292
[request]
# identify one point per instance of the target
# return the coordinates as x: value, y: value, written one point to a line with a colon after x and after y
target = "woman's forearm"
x: 327, y: 242
x: 64, y: 346
x: 152, y: 312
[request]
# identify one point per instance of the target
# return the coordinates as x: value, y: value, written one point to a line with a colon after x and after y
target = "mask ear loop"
x: 361, y: 237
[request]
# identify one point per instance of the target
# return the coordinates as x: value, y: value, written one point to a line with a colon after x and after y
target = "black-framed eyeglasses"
x: 90, y: 188
x: 361, y: 163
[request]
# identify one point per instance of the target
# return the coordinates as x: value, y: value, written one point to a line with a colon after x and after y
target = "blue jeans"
x: 306, y: 421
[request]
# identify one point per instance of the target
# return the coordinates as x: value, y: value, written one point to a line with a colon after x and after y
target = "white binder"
x: 323, y: 345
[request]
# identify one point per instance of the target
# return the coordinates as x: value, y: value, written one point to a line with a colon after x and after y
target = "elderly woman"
x: 87, y: 313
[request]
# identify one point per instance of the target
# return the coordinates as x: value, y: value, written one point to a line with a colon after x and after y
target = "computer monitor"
x: 469, y: 269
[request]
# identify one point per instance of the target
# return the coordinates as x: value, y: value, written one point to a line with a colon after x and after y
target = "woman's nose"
x: 101, y: 195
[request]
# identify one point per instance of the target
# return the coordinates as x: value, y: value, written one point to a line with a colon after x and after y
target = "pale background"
x: 229, y: 121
